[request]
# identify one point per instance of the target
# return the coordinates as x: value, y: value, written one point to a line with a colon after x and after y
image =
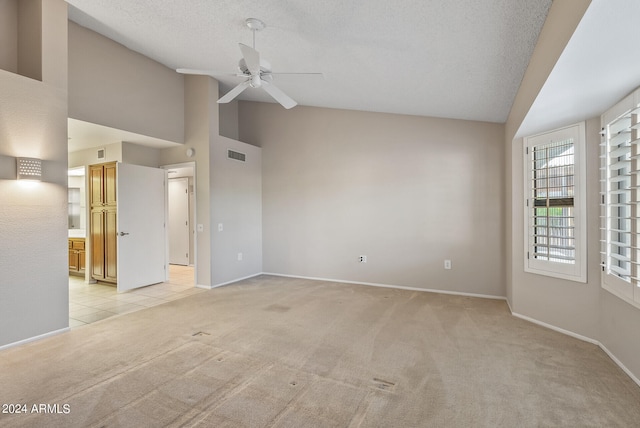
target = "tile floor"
x: 94, y: 302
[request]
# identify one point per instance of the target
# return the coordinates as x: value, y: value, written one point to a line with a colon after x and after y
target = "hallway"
x: 89, y: 303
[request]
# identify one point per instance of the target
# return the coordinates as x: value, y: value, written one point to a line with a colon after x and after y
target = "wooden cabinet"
x: 102, y: 185
x: 103, y: 222
x: 77, y: 255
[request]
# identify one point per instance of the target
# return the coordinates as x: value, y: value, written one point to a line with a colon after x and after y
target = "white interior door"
x: 142, y: 236
x: 179, y: 221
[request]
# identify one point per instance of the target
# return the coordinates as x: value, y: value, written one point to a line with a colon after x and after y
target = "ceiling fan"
x: 256, y: 71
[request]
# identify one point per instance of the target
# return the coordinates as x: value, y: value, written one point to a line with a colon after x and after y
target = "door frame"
x: 191, y: 164
x: 171, y: 223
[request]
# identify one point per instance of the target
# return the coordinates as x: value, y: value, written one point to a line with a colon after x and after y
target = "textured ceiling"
x: 455, y: 58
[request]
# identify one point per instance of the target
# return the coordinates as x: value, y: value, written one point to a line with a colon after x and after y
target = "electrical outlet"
x: 239, y: 257
x: 363, y: 259
x: 447, y: 264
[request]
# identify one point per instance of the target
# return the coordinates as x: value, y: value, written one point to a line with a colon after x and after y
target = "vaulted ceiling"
x: 460, y: 59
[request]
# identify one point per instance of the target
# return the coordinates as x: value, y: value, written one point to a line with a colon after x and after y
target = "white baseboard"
x: 579, y: 337
x: 400, y: 287
x: 554, y: 328
x: 235, y: 280
x: 509, y: 305
x: 34, y: 338
x: 619, y: 363
x: 204, y: 287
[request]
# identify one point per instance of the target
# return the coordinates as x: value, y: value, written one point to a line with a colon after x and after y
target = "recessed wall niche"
x: 21, y: 37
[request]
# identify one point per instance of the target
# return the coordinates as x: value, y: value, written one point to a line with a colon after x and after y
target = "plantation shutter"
x: 552, y: 199
x: 555, y: 221
x: 620, y: 198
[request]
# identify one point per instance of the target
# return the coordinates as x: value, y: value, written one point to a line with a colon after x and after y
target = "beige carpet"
x: 295, y: 353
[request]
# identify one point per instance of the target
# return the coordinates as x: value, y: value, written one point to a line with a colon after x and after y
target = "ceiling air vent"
x: 236, y: 155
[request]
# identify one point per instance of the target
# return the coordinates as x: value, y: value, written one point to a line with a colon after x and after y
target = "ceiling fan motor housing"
x: 265, y: 69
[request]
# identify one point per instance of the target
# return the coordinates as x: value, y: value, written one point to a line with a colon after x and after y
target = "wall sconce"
x: 28, y: 169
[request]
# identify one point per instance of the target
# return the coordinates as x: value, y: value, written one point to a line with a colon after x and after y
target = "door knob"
x: 124, y: 233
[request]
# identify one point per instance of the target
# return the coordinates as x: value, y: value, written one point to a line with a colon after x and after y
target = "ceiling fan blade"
x: 207, y: 72
x: 295, y: 74
x: 193, y: 71
x: 251, y: 58
x: 234, y: 92
x: 278, y: 95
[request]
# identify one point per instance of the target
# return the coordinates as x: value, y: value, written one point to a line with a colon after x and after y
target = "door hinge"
x: 527, y: 150
x: 527, y: 255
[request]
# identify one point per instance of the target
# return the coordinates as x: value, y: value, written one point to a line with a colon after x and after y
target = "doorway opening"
x: 96, y: 301
x: 181, y: 222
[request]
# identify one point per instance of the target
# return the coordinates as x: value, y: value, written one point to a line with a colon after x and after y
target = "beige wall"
x: 113, y: 153
x: 30, y: 38
x: 9, y: 35
x: 236, y: 203
x: 117, y: 152
x: 28, y: 43
x: 408, y: 192
x: 33, y: 218
x: 619, y: 331
x: 229, y: 120
x: 113, y: 86
x: 140, y: 155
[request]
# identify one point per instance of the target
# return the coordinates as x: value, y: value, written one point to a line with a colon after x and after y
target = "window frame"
x: 629, y: 291
x: 576, y: 271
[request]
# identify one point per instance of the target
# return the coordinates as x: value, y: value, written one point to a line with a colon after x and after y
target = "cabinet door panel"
x: 73, y: 260
x: 95, y: 185
x: 111, y: 242
x: 110, y: 184
x: 82, y: 255
x: 97, y: 244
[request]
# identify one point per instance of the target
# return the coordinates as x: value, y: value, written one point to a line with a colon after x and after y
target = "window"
x: 555, y: 205
x: 620, y: 199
